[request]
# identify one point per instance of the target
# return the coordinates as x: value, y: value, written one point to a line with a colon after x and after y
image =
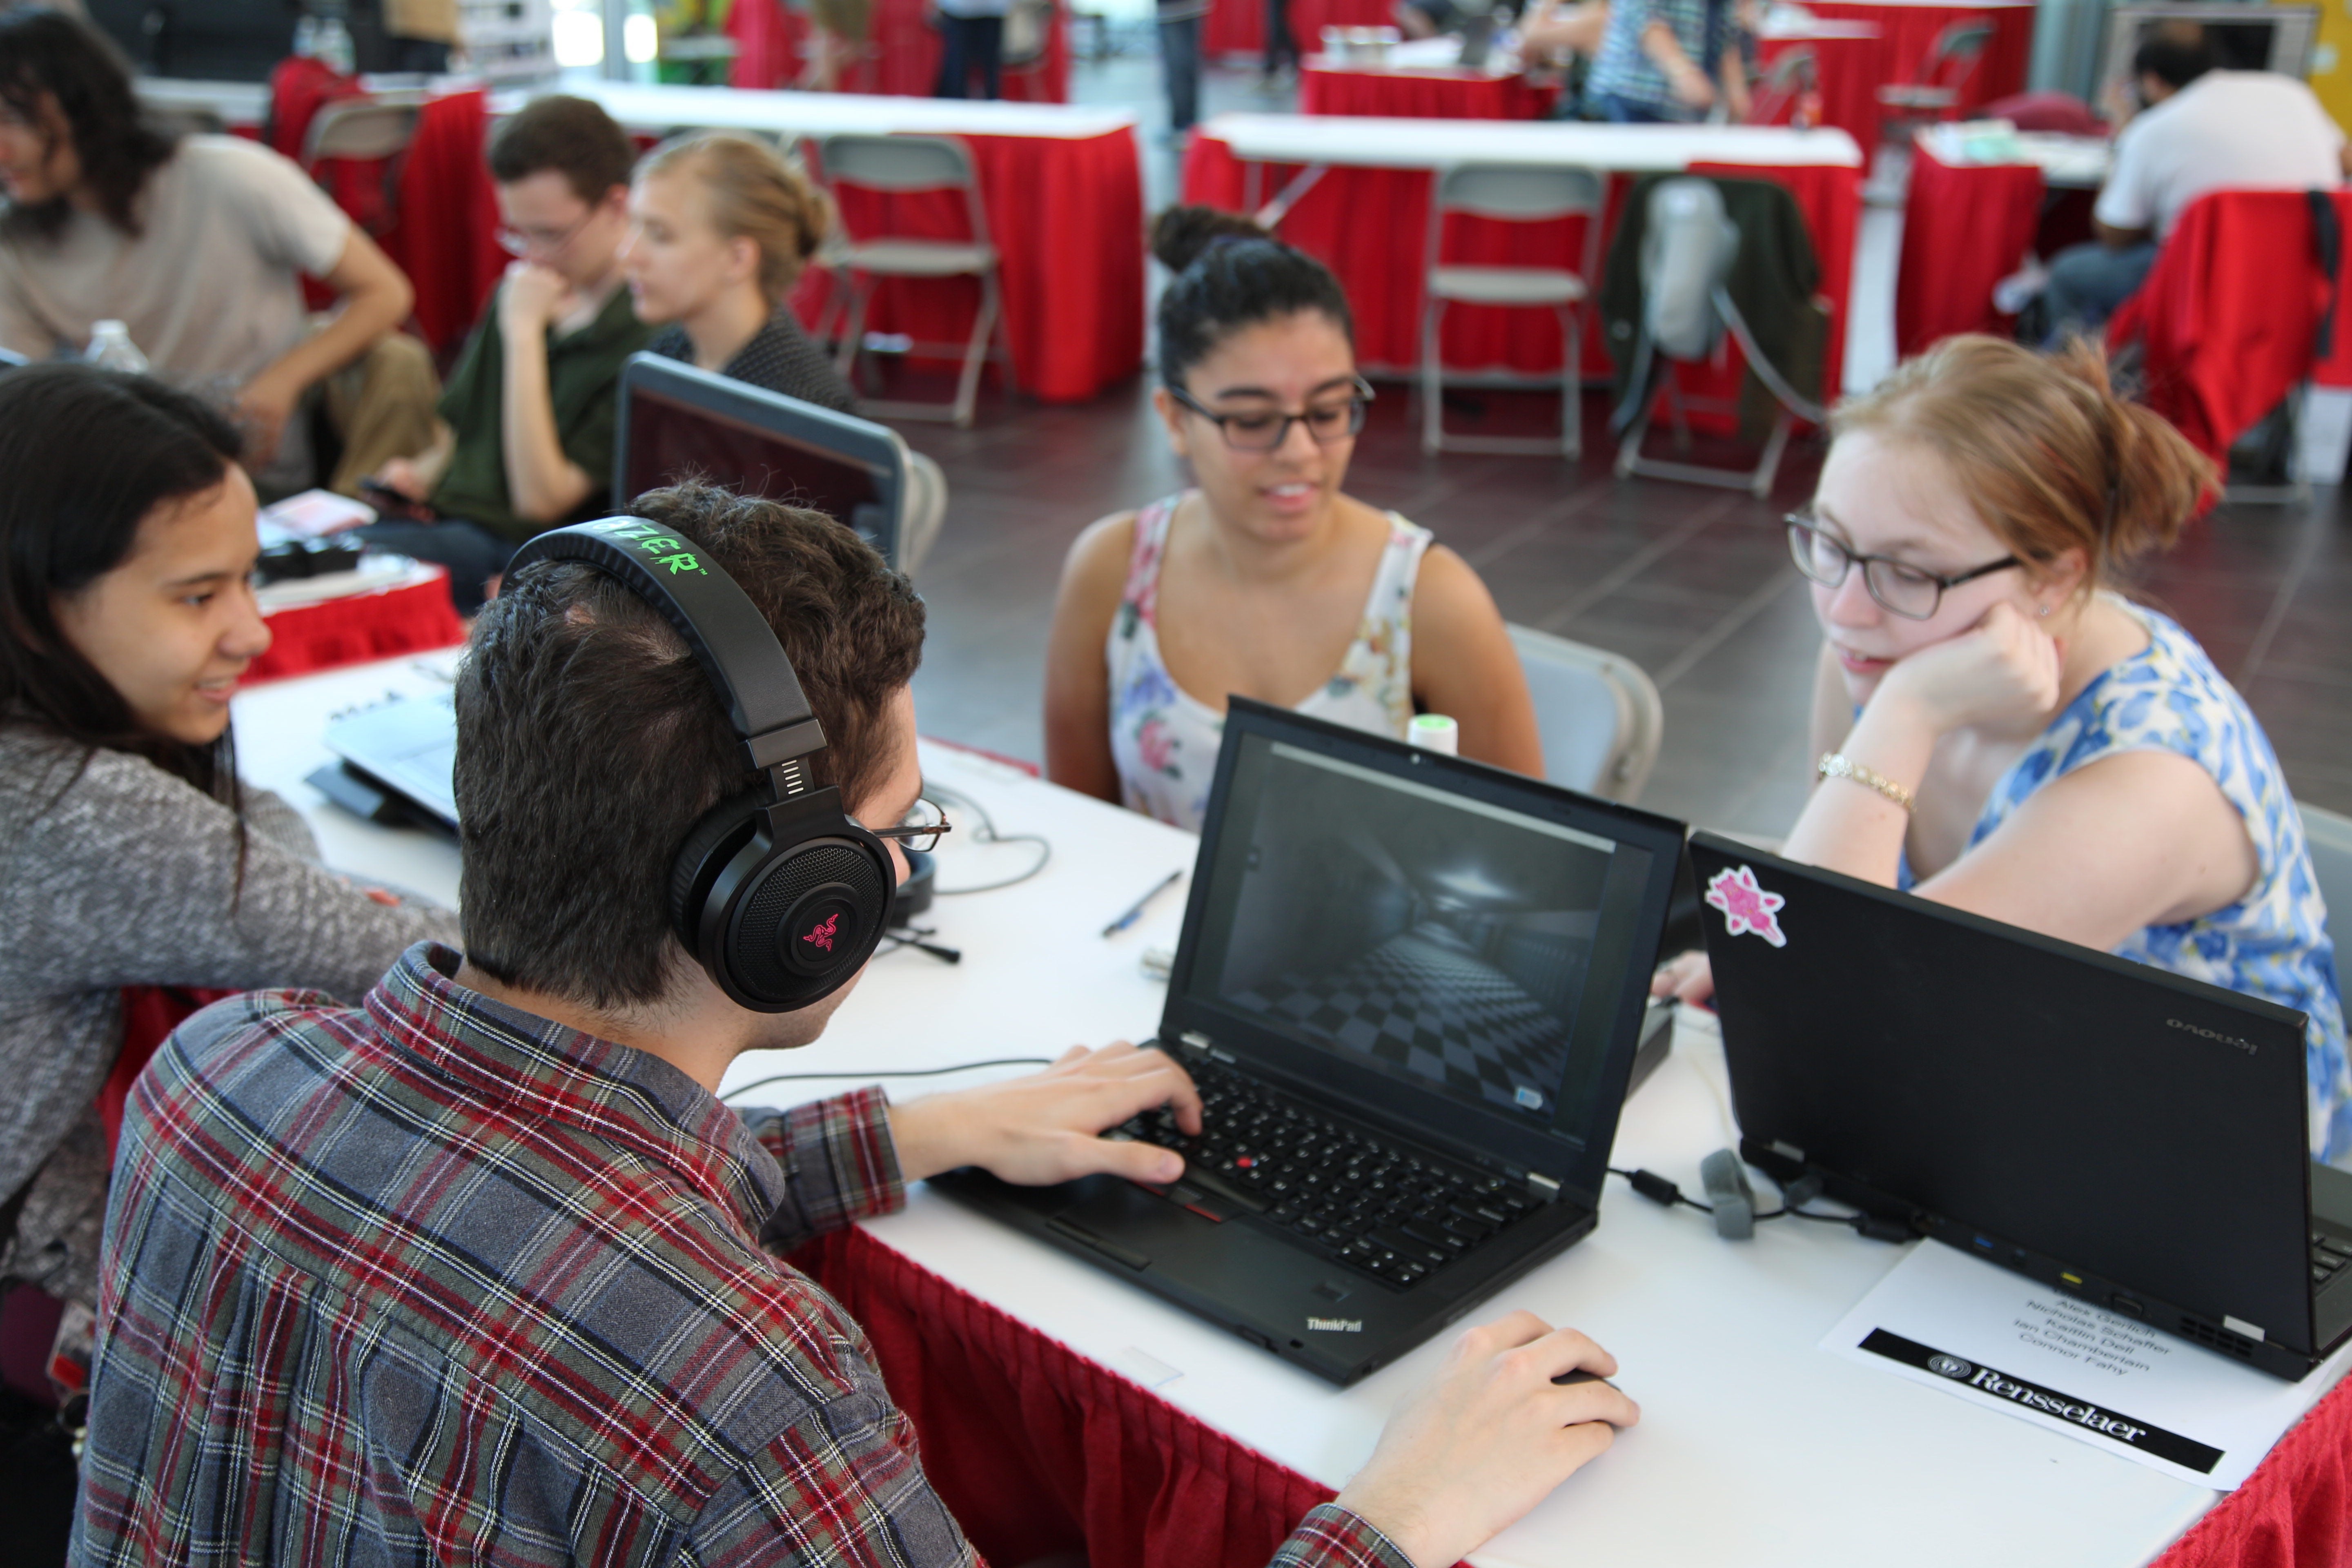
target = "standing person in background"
x: 133, y: 864
x: 198, y: 244
x: 526, y: 423
x: 1179, y: 62
x: 1666, y: 60
x: 971, y: 39
x: 2198, y: 129
x: 1266, y: 580
x: 721, y: 228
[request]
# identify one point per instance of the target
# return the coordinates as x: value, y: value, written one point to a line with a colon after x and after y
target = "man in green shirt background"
x: 526, y: 426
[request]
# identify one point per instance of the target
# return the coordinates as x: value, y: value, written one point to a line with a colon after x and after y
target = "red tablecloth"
x: 1964, y: 230
x: 1238, y: 26
x: 1421, y: 95
x: 1905, y: 34
x: 1849, y: 80
x: 406, y: 619
x: 445, y: 230
x: 1037, y: 1450
x: 1371, y: 227
x: 902, y: 57
x: 1067, y: 215
x: 2230, y: 314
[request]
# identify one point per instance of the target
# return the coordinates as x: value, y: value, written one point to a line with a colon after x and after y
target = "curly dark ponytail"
x: 1230, y: 274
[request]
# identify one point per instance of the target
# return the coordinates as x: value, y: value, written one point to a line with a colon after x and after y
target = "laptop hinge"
x: 1543, y: 1188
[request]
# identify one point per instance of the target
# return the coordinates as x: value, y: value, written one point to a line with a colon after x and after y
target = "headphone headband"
x: 732, y: 641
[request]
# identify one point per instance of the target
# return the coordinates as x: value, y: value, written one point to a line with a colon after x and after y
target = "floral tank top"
x: 1164, y: 740
x: 2271, y: 943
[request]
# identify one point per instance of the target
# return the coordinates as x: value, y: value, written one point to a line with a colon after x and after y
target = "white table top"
x: 655, y: 108
x: 1755, y: 1448
x: 236, y: 102
x: 1777, y: 29
x: 1365, y: 141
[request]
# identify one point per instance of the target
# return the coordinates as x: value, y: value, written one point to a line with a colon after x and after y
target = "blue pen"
x: 1136, y: 912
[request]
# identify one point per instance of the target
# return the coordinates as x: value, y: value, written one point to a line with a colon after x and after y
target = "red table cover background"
x: 1067, y: 217
x: 1421, y: 95
x: 1036, y: 1449
x: 1371, y: 227
x: 902, y: 56
x: 1905, y: 34
x: 406, y: 619
x: 1964, y: 230
x: 1238, y: 26
x: 2230, y: 314
x: 1849, y: 80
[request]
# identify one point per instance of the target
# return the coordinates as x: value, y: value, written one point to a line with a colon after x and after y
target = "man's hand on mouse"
x: 1488, y: 1439
x: 1043, y: 1127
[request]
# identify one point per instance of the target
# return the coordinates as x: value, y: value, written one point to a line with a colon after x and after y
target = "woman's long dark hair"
x: 85, y: 455
x: 46, y: 52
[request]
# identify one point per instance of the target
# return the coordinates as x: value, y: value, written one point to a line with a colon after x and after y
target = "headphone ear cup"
x: 715, y: 840
x: 801, y: 915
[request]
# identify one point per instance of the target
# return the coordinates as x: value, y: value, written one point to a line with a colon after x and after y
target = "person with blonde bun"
x: 1265, y: 580
x: 2001, y: 729
x: 722, y: 227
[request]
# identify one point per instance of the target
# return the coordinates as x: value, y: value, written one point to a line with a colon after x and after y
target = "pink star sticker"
x: 1746, y: 905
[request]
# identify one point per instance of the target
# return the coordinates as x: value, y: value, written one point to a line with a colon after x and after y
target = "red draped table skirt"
x: 409, y: 618
x: 1965, y: 228
x: 1329, y: 89
x: 1847, y: 68
x: 1371, y: 227
x: 1905, y: 34
x: 1037, y: 1450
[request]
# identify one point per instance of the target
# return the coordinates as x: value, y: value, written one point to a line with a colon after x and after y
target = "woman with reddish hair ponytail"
x: 1997, y: 726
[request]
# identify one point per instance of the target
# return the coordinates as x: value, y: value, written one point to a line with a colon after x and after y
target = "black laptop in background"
x: 2115, y: 1131
x: 1411, y: 989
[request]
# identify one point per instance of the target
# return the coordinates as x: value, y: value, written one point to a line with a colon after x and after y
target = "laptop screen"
x: 670, y: 439
x: 1441, y: 939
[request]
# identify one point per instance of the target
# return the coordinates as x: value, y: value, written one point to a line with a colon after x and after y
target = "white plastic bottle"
x: 110, y: 348
x: 1435, y: 733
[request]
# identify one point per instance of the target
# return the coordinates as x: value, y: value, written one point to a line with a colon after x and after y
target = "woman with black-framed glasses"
x: 1267, y: 579
x: 1996, y: 727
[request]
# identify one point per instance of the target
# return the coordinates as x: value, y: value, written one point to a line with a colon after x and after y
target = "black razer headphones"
x: 777, y: 892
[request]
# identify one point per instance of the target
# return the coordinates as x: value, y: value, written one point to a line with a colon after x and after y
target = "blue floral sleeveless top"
x: 2273, y: 942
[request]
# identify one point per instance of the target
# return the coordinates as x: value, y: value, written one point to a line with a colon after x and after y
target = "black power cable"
x: 891, y: 1072
x: 1803, y: 1190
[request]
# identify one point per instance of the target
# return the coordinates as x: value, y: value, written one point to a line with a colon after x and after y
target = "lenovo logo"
x: 2214, y: 1035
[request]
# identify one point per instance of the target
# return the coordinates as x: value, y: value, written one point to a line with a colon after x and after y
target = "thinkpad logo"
x: 2245, y: 1044
x: 1334, y: 1325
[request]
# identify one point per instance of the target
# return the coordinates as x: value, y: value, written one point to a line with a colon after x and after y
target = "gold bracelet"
x: 1837, y: 765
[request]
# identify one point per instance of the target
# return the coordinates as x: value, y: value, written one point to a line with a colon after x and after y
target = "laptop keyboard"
x: 1394, y: 1213
x: 2328, y: 1256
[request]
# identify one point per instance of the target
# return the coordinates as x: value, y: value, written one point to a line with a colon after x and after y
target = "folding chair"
x: 1598, y: 714
x: 362, y: 129
x: 905, y: 165
x: 1773, y: 100
x: 1513, y: 194
x: 1935, y: 93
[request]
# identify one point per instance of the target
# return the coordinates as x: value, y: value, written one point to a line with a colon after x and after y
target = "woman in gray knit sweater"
x: 129, y: 855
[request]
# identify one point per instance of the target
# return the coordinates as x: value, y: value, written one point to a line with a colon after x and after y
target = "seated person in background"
x: 528, y: 418
x: 722, y: 227
x: 198, y: 245
x: 2199, y: 129
x: 129, y: 854
x: 2003, y: 731
x: 1670, y: 60
x: 305, y: 1340
x: 1266, y: 579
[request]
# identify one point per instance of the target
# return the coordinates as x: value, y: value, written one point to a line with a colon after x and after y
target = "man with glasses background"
x: 524, y: 440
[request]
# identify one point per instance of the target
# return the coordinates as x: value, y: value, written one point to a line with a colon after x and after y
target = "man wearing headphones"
x: 483, y: 1270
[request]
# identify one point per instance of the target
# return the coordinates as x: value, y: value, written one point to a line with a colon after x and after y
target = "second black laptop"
x: 1411, y: 989
x: 2113, y: 1130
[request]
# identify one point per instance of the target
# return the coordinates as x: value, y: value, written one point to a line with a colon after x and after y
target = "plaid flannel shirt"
x: 435, y: 1280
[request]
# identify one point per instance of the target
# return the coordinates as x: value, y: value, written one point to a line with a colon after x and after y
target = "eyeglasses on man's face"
x: 1912, y: 591
x: 529, y: 242
x: 1329, y: 419
x: 920, y: 831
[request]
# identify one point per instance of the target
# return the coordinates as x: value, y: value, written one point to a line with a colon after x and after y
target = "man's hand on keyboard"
x: 1043, y: 1128
x: 1490, y: 1439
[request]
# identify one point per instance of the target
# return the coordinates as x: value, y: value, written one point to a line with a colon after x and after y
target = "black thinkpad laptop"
x: 2107, y: 1127
x: 1411, y: 990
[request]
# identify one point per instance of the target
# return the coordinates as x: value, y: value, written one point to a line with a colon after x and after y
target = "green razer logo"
x: 665, y: 549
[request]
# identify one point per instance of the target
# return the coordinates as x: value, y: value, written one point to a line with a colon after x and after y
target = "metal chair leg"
x: 1433, y: 380
x: 1571, y: 388
x: 975, y: 354
x: 853, y: 333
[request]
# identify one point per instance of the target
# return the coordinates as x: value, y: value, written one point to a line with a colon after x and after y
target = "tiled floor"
x: 1692, y: 583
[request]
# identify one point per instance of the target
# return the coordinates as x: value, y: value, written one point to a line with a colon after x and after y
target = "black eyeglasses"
x: 1264, y: 430
x: 523, y: 242
x: 921, y: 829
x: 1900, y: 589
